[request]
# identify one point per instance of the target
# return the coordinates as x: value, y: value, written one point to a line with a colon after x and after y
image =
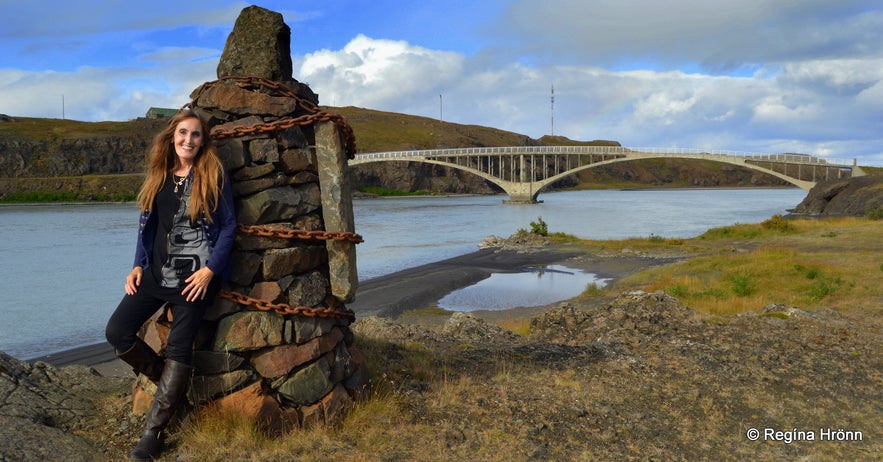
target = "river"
x: 62, y: 267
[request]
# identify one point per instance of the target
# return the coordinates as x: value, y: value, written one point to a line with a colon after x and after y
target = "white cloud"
x: 369, y: 72
x: 808, y: 74
x: 720, y: 34
x: 775, y: 111
x: 798, y: 108
x: 93, y: 94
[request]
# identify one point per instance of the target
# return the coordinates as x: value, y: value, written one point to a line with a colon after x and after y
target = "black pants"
x: 124, y: 324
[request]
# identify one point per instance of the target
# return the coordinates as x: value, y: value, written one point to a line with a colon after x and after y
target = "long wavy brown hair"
x: 208, y: 171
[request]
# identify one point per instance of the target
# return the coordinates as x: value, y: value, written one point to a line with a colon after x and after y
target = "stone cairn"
x: 276, y: 346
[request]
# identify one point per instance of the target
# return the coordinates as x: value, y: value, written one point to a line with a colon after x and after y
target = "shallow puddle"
x: 532, y: 287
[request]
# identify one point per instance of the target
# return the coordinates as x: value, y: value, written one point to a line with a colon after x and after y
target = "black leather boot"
x: 143, y: 360
x: 172, y: 386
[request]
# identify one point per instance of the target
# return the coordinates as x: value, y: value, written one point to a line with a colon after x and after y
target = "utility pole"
x: 553, y: 110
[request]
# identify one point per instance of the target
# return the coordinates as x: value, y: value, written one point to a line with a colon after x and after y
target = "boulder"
x: 41, y: 406
x: 260, y: 45
x: 858, y: 196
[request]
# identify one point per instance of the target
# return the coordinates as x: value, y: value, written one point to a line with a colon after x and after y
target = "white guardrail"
x: 759, y: 156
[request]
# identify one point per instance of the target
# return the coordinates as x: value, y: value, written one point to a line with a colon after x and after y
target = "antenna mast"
x: 553, y: 109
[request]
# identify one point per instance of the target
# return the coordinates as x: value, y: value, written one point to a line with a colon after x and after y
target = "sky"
x: 767, y: 76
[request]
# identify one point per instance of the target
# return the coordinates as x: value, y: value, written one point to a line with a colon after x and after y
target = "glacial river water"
x: 62, y: 267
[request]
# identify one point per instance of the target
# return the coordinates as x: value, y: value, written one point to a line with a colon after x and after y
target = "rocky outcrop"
x: 681, y: 173
x: 521, y: 241
x: 416, y: 176
x: 41, y: 406
x: 631, y: 316
x: 76, y: 155
x: 260, y: 44
x: 859, y: 196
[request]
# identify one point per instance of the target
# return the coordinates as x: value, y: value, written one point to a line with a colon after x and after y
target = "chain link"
x: 315, y: 113
x: 349, y: 141
x: 286, y: 309
x: 265, y: 231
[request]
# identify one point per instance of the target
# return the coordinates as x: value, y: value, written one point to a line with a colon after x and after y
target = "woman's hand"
x: 133, y: 280
x: 197, y: 284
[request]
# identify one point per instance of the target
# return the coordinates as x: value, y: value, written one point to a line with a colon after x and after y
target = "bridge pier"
x: 521, y: 193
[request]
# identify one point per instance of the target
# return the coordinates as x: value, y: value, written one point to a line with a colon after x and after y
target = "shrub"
x: 539, y: 227
x: 876, y: 214
x: 779, y: 223
x: 742, y: 285
x: 592, y: 290
x: 678, y: 291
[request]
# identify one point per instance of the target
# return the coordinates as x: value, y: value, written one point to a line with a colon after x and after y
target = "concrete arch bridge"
x: 523, y: 171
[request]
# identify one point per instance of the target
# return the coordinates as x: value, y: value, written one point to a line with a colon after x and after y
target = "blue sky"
x: 752, y: 75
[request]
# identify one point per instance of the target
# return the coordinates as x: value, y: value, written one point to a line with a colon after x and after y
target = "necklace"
x: 179, y: 182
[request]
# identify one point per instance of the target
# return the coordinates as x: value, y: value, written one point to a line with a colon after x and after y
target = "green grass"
x: 428, y: 404
x: 53, y: 197
x: 27, y: 128
x: 806, y: 263
x: 390, y: 192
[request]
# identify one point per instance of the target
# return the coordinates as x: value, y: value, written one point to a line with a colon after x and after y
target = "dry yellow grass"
x: 832, y: 263
x: 428, y: 405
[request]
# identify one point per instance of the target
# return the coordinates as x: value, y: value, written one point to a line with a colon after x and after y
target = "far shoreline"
x: 363, y: 196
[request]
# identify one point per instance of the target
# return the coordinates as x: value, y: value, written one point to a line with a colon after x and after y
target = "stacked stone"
x: 277, y: 344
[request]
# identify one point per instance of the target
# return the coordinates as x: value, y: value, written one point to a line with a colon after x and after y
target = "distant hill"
x: 386, y: 131
x: 103, y: 160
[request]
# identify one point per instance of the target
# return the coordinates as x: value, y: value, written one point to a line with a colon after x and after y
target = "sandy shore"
x: 393, y: 294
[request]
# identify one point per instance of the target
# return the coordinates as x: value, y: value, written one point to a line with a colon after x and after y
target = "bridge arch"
x: 805, y: 185
x: 526, y: 187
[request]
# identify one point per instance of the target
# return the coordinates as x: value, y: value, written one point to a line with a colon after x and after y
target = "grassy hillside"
x: 375, y: 131
x: 34, y: 129
x: 388, y: 131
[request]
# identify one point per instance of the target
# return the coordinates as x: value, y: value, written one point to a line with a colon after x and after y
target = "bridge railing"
x: 758, y: 156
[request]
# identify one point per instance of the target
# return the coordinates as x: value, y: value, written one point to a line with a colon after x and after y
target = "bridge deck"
x: 522, y: 171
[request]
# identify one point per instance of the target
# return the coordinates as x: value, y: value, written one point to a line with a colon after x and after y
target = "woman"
x: 185, y: 236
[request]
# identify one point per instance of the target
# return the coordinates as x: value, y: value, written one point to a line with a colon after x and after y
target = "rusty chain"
x: 315, y: 113
x: 349, y: 141
x: 286, y: 309
x: 266, y: 231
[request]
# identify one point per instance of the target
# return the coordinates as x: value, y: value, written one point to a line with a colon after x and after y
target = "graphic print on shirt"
x: 188, y: 248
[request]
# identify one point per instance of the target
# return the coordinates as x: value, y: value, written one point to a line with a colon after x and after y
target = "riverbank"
x: 395, y: 294
x: 630, y: 372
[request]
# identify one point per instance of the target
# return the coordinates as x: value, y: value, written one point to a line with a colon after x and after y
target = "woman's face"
x: 188, y: 140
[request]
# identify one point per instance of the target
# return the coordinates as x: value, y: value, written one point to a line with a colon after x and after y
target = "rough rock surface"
x: 260, y: 45
x: 417, y: 176
x: 644, y: 377
x: 857, y: 196
x: 41, y: 407
x: 101, y: 154
x: 641, y: 377
x: 630, y: 314
x: 521, y: 241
